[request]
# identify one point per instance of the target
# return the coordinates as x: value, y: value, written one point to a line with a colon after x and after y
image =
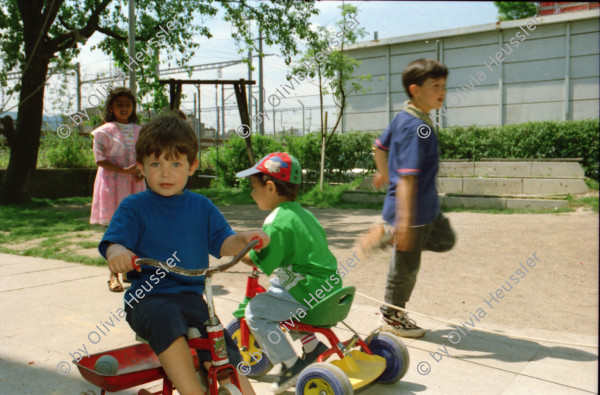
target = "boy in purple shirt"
x: 406, y: 154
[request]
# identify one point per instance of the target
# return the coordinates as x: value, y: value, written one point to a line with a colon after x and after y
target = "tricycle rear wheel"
x: 323, y: 378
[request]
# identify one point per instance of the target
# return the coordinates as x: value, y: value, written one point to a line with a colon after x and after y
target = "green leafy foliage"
x: 572, y: 139
x: 72, y: 152
x: 334, y: 69
x: 550, y: 139
x: 344, y: 153
x: 232, y: 157
x: 509, y: 10
x: 47, y: 34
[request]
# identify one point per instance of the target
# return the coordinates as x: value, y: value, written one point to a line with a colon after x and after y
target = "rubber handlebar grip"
x: 134, y: 263
x: 260, y: 242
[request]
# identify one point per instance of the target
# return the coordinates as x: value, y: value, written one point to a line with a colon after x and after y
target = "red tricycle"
x: 382, y: 357
x: 138, y: 364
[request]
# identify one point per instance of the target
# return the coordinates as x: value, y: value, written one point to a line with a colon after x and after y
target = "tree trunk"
x: 24, y: 151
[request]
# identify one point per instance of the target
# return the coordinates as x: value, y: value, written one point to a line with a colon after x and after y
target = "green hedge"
x: 232, y: 157
x: 570, y: 139
x: 575, y: 139
x: 344, y: 152
x: 72, y: 152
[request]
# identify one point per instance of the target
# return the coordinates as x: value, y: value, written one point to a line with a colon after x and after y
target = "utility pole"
x: 132, y: 85
x: 223, y: 108
x: 261, y: 99
x: 274, y: 133
x: 219, y: 76
x: 217, y: 107
x: 200, y: 128
x: 302, y: 117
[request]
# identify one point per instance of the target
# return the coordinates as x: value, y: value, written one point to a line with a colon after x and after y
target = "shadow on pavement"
x: 504, y: 348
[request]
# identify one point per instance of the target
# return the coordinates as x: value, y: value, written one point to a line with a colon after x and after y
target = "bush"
x: 72, y: 152
x: 344, y: 152
x: 544, y: 140
x: 233, y: 158
x: 571, y: 139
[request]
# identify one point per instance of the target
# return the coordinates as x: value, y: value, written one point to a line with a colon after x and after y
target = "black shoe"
x: 314, y: 354
x: 289, y: 376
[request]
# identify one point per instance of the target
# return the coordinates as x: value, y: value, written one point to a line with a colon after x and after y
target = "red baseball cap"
x: 280, y: 165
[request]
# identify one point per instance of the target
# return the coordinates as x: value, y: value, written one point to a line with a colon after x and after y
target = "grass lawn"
x: 60, y: 229
x: 57, y: 229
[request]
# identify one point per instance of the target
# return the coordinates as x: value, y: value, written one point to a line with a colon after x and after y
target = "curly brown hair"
x: 114, y: 94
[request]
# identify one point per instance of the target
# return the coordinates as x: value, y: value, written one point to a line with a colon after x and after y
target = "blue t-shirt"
x: 409, y: 154
x: 179, y: 230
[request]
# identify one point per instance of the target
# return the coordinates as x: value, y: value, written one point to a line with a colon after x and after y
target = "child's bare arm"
x: 234, y: 243
x: 406, y: 193
x: 382, y: 176
x: 248, y: 261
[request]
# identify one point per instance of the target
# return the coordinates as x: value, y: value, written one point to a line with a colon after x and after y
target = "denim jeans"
x: 436, y: 236
x: 263, y: 314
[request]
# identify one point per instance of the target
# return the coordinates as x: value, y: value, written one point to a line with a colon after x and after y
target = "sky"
x: 388, y: 18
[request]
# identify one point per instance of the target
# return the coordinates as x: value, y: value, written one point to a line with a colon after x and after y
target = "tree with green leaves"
x: 509, y: 10
x: 42, y: 37
x: 333, y: 70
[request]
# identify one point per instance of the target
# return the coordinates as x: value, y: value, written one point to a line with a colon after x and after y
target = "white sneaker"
x: 400, y: 325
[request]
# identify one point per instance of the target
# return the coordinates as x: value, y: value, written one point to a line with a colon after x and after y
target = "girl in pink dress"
x: 114, y: 150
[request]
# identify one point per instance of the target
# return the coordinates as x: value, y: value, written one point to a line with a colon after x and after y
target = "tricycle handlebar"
x: 137, y: 262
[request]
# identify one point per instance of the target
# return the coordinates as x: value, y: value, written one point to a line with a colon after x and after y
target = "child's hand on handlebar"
x: 120, y: 259
x: 234, y: 244
x: 263, y: 239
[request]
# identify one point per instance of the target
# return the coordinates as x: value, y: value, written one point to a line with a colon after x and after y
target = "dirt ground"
x: 559, y: 293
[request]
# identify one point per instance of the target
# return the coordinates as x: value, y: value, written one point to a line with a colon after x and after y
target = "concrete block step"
x: 500, y: 203
x: 554, y: 169
x: 512, y: 186
x: 361, y: 197
x: 482, y: 202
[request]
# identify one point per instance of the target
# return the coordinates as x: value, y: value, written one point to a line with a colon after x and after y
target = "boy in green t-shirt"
x: 299, y: 258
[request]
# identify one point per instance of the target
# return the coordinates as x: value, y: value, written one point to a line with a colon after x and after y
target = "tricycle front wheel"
x: 255, y: 362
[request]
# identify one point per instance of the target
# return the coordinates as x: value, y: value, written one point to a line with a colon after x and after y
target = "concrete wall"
x: 62, y: 183
x: 550, y: 74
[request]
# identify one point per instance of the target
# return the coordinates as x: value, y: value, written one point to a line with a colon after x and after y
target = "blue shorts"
x: 162, y: 318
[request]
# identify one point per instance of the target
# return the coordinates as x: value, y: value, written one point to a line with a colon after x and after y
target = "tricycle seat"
x: 331, y: 310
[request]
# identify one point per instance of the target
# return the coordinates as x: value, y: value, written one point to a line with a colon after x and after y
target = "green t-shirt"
x: 298, y: 254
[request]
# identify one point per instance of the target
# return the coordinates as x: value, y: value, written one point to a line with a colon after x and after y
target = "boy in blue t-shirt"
x: 171, y: 224
x: 406, y: 154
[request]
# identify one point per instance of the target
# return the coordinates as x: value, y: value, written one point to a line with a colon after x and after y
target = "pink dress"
x: 114, y: 142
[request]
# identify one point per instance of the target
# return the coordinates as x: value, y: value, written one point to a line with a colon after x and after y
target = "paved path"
x: 49, y: 308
